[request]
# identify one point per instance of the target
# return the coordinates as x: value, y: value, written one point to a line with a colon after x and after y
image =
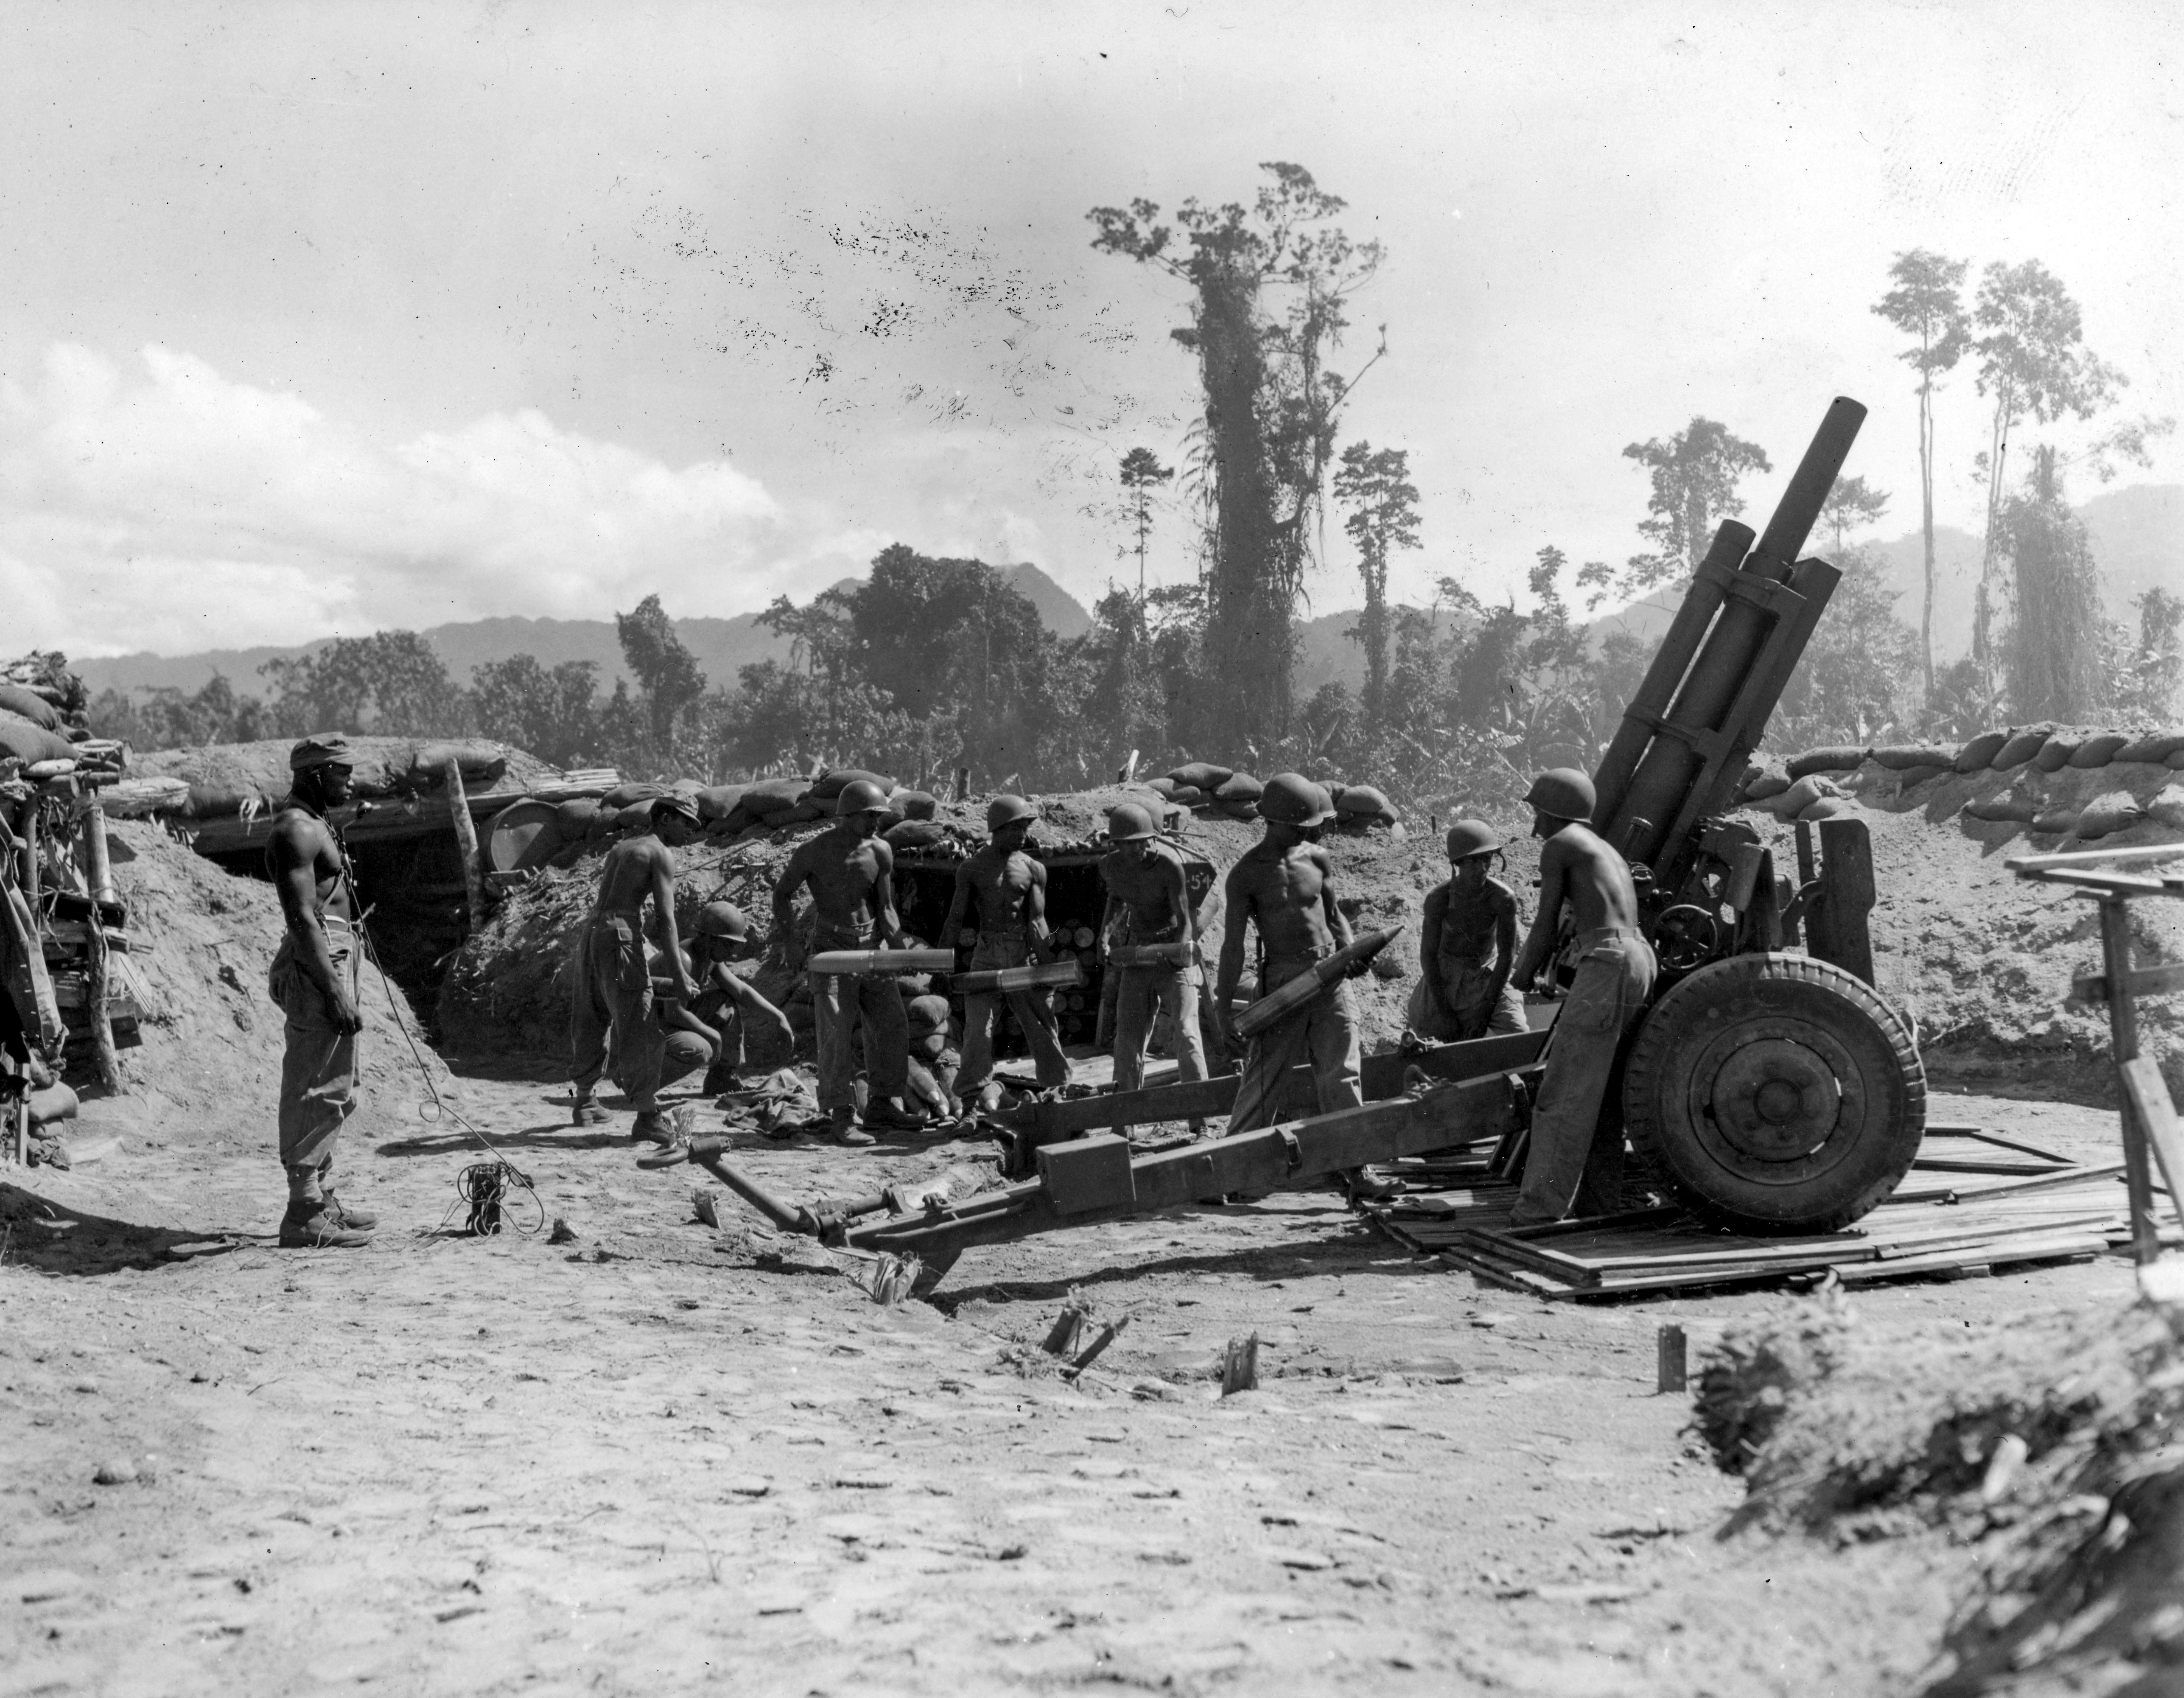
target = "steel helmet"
x: 862, y: 796
x: 1468, y: 837
x: 683, y: 807
x: 1128, y: 823
x: 1294, y: 800
x: 1006, y: 810
x: 1562, y: 794
x: 722, y: 919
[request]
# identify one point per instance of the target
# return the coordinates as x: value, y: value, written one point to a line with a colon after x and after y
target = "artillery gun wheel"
x: 1774, y: 1094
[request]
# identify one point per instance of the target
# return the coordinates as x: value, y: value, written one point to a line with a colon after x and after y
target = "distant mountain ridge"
x: 722, y: 646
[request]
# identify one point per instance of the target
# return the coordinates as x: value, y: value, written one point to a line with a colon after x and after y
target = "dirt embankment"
x: 2046, y: 1445
x: 202, y: 940
x: 506, y: 997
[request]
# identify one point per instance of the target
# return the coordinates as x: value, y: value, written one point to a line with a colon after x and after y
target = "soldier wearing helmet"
x: 1576, y: 1154
x: 717, y: 1018
x: 850, y: 870
x: 614, y: 979
x: 1467, y: 943
x: 1148, y: 902
x: 1284, y: 887
x: 1009, y: 889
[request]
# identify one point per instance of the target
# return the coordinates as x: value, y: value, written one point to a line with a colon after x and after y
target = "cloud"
x: 172, y: 509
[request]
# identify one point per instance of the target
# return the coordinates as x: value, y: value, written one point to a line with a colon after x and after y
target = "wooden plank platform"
x: 2076, y: 1212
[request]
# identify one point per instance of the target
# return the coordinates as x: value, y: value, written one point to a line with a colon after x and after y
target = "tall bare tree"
x: 1142, y: 474
x: 1375, y: 485
x: 2033, y: 364
x: 1269, y: 291
x: 1927, y: 303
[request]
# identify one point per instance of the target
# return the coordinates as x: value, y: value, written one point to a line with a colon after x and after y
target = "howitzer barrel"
x: 1647, y: 806
x: 854, y: 963
x: 1286, y: 999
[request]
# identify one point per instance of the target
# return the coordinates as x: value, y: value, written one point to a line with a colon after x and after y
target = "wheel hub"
x: 1776, y: 1100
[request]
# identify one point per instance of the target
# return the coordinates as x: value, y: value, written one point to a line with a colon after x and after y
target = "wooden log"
x: 466, y: 842
x: 1671, y: 1367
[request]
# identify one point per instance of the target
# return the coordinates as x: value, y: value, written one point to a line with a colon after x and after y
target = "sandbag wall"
x: 2072, y: 784
x: 1202, y: 785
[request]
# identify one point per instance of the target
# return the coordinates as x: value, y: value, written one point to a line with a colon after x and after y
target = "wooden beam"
x: 1452, y: 1063
x: 2156, y: 1113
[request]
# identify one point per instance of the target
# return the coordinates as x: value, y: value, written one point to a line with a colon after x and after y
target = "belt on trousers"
x: 1604, y: 934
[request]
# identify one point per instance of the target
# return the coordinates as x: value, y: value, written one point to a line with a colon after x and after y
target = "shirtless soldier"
x: 1148, y: 902
x: 1614, y: 976
x: 851, y: 871
x: 1466, y: 943
x: 1010, y: 888
x: 313, y: 978
x: 614, y: 995
x: 1285, y: 885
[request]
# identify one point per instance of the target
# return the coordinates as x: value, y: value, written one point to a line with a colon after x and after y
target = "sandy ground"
x: 663, y: 1458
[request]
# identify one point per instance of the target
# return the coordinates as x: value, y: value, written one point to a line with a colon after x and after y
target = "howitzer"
x: 1069, y: 974
x: 1765, y: 1089
x: 1286, y: 999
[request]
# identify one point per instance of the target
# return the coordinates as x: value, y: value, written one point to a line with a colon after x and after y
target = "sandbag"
x: 2056, y: 821
x: 479, y: 762
x: 2098, y: 750
x: 915, y: 834
x: 1189, y: 796
x: 915, y: 804
x: 1976, y: 755
x: 1903, y: 757
x: 1827, y: 808
x: 718, y: 801
x: 2175, y: 760
x: 1834, y: 759
x: 573, y: 819
x: 2055, y: 753
x: 770, y: 795
x: 1911, y: 777
x: 828, y: 786
x: 1364, y: 801
x: 29, y: 704
x: 1202, y: 775
x: 2003, y: 810
x: 1801, y: 795
x: 928, y: 1013
x: 809, y: 810
x: 2105, y: 815
x: 623, y: 795
x: 2021, y: 747
x: 221, y: 802
x: 31, y: 743
x: 2167, y: 807
x: 1240, y: 787
x: 1163, y: 787
x: 2152, y: 749
x: 1765, y: 785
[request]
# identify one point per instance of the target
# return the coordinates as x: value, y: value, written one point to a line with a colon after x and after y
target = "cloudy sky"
x: 325, y: 318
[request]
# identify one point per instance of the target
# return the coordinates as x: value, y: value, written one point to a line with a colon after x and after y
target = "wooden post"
x: 2123, y: 1042
x: 1671, y: 1367
x: 466, y: 844
x: 98, y: 863
x: 28, y: 831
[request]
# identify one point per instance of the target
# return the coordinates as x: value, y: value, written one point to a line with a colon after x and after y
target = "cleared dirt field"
x: 663, y: 1458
